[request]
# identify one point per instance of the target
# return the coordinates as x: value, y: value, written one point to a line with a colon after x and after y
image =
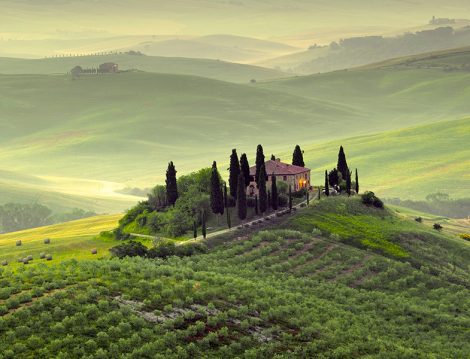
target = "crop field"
x: 277, y: 293
x: 67, y: 240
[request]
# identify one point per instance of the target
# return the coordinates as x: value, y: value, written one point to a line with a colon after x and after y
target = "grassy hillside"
x: 281, y: 293
x: 362, y: 50
x: 409, y: 163
x: 128, y: 126
x: 69, y: 240
x: 63, y: 194
x: 214, y: 69
x: 223, y: 47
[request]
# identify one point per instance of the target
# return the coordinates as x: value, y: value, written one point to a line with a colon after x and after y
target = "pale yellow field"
x: 69, y: 240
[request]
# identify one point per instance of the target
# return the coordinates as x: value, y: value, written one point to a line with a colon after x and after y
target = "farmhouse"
x: 295, y: 176
x: 109, y: 67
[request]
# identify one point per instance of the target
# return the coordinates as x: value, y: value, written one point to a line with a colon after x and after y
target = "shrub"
x: 418, y: 219
x: 370, y: 199
x: 47, y: 241
x: 131, y: 249
x: 19, y: 243
x: 162, y: 249
x: 42, y: 255
x: 465, y: 236
x: 94, y: 251
x: 4, y: 263
x: 437, y: 226
x: 49, y: 257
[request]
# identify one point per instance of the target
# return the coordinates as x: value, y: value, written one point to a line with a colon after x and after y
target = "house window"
x: 285, y: 178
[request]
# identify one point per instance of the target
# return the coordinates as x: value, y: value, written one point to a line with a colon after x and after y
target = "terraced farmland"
x: 277, y: 293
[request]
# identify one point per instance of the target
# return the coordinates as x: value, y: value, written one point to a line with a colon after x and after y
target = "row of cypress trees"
x: 239, y: 180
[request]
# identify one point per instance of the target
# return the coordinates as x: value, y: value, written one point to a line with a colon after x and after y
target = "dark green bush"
x: 370, y: 199
x: 130, y: 249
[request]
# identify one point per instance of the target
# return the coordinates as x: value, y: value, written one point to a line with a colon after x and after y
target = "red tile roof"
x: 280, y: 169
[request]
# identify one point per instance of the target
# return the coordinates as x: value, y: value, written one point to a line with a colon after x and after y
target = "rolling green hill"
x: 126, y: 127
x: 409, y: 163
x: 68, y: 240
x: 214, y: 69
x: 308, y: 292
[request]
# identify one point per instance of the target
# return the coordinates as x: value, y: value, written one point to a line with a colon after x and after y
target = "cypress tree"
x: 298, y: 157
x: 229, y: 224
x: 273, y: 158
x: 348, y: 183
x: 357, y: 183
x: 241, y: 197
x: 342, y: 164
x: 195, y: 229
x: 217, y: 199
x: 263, y: 196
x: 204, y: 228
x: 333, y: 177
x: 270, y: 203
x: 234, y: 173
x: 327, y: 186
x: 259, y: 162
x: 256, y: 205
x: 171, y: 184
x: 308, y: 198
x: 245, y: 169
x: 274, y: 194
x: 319, y: 193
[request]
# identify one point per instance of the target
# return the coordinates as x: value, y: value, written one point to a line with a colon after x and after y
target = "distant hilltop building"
x: 108, y: 67
x: 295, y: 176
x: 441, y: 21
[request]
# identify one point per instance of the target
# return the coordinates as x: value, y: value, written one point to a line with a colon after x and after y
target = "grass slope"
x: 127, y: 126
x: 409, y: 163
x: 63, y: 194
x: 214, y: 69
x: 68, y: 240
x: 278, y: 293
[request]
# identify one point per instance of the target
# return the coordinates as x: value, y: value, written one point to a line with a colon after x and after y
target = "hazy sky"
x: 28, y: 19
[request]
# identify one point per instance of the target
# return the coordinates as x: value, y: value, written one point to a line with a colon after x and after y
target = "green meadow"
x: 408, y: 163
x: 124, y: 128
x: 213, y: 69
x: 70, y: 240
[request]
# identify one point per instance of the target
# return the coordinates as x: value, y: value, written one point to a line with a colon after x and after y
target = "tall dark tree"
x: 263, y: 195
x: 298, y: 157
x: 241, y: 197
x: 259, y: 162
x: 333, y: 177
x: 348, y: 183
x: 256, y: 205
x: 227, y: 211
x: 171, y: 185
x: 217, y: 198
x: 204, y: 226
x: 245, y: 169
x: 327, y: 187
x: 342, y: 164
x: 273, y: 158
x: 234, y: 172
x: 274, y: 193
x: 270, y: 203
x: 357, y: 182
x: 195, y: 229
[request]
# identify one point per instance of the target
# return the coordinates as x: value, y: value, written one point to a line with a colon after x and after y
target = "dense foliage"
x: 152, y: 217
